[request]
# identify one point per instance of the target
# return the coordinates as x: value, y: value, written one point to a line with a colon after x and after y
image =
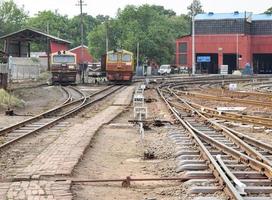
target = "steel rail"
x: 260, y: 121
x: 213, y: 165
x: 242, y: 136
x: 265, y: 163
x: 253, y: 163
x: 66, y: 115
x: 242, y: 92
x: 250, y: 140
x: 47, y: 113
x: 69, y: 96
x: 226, y: 99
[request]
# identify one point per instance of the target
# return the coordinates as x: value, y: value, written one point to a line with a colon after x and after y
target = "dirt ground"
x: 122, y: 155
x: 36, y: 100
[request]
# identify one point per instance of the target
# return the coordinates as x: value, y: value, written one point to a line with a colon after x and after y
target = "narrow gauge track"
x: 72, y: 93
x: 226, y: 99
x: 242, y: 169
x: 49, y: 118
x: 240, y: 93
x: 210, y: 112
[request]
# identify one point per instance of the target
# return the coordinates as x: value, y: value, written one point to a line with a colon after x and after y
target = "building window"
x: 183, y: 59
x: 183, y: 47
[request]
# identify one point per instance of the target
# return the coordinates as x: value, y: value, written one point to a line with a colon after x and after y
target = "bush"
x: 8, y: 101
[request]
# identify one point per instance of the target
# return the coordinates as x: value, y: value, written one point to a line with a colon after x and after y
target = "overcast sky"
x: 109, y: 7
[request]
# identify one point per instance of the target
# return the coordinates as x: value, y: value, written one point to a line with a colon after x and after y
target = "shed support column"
x: 28, y: 49
x: 48, y: 54
x: 220, y: 59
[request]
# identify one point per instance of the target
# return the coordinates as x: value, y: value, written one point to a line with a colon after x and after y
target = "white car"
x: 164, y: 69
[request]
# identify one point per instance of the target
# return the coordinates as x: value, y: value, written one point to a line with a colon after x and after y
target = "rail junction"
x: 201, y: 141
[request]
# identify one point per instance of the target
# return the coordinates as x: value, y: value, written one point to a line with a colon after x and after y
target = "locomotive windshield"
x: 119, y: 57
x: 64, y: 59
x: 112, y: 57
x: 126, y: 58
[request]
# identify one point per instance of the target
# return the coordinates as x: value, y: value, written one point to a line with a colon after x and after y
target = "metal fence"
x: 23, y: 72
x: 3, y: 68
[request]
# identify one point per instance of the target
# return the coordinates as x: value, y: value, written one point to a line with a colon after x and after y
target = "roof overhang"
x: 30, y: 35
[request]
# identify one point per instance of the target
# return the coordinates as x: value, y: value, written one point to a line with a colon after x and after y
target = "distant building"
x: 86, y: 56
x: 232, y: 39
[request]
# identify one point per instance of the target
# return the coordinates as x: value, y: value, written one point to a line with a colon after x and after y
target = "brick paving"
x: 60, y: 157
x: 36, y: 190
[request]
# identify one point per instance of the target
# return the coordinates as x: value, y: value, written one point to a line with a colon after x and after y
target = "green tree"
x: 51, y: 22
x: 269, y: 11
x: 89, y: 23
x: 195, y: 8
x: 12, y: 17
x: 152, y: 26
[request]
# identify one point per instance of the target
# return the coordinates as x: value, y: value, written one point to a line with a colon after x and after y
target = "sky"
x: 109, y: 7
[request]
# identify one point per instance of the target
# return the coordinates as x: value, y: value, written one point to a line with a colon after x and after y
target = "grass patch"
x: 44, y: 76
x: 9, y: 101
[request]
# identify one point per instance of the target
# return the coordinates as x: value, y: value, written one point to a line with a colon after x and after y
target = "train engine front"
x: 119, y: 66
x: 63, y: 67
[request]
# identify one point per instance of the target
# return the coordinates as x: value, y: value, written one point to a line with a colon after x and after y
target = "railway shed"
x: 18, y: 44
x: 86, y: 56
x: 233, y: 39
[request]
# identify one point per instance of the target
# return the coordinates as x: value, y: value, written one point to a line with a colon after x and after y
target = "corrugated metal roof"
x: 37, y: 32
x: 78, y: 47
x: 218, y: 16
x: 261, y: 17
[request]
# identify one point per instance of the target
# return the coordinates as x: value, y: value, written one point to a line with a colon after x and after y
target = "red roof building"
x: 83, y: 54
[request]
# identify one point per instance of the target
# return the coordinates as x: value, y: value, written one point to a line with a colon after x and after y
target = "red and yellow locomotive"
x: 63, y: 67
x: 119, y: 66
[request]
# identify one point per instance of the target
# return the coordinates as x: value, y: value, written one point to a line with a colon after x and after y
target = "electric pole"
x: 193, y: 39
x: 81, y: 4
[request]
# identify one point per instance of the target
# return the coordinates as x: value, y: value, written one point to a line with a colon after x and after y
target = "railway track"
x: 49, y: 118
x: 209, y: 150
x: 226, y: 99
x: 234, y: 117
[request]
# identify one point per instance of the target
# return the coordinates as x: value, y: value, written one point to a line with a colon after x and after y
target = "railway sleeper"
x: 191, y: 167
x: 257, y: 198
x: 248, y: 175
x: 187, y: 162
x: 204, y: 174
x: 206, y: 198
x: 200, y: 182
x: 204, y: 189
x: 256, y: 182
x: 258, y: 189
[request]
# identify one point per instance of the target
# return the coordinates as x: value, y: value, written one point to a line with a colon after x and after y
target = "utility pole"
x: 107, y: 36
x: 193, y: 38
x: 81, y: 4
x: 138, y: 46
x: 48, y: 46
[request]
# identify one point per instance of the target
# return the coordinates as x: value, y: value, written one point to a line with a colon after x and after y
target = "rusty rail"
x: 213, y: 165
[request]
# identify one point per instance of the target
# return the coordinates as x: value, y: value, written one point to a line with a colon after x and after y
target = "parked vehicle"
x: 95, y: 70
x: 164, y: 69
x: 183, y: 70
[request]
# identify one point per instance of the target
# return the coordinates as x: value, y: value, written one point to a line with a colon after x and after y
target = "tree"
x: 155, y: 28
x: 51, y: 22
x: 195, y: 8
x: 269, y: 11
x: 74, y: 36
x: 12, y: 17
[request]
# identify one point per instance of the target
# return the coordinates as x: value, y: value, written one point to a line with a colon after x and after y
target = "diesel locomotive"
x: 63, y: 67
x: 119, y: 66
